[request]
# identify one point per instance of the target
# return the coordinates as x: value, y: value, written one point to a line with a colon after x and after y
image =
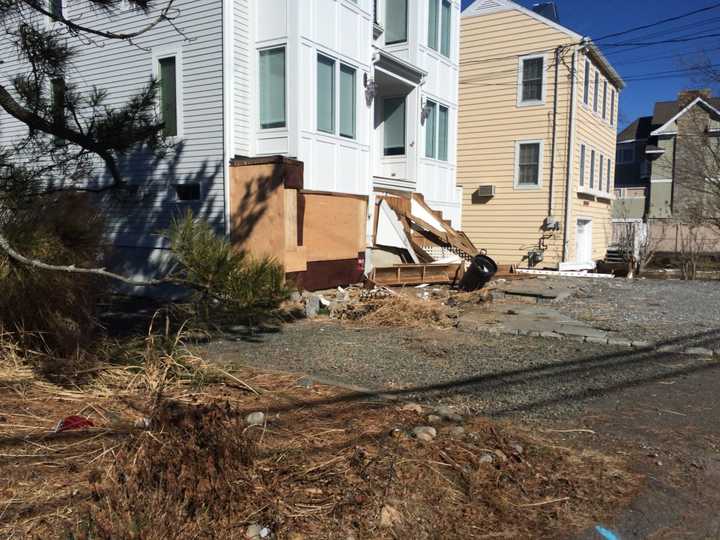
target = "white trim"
x: 476, y: 9
x: 541, y: 156
x: 228, y: 101
x: 660, y: 151
x: 697, y: 101
x: 631, y: 141
x: 172, y: 51
x: 535, y: 102
x: 261, y: 130
x: 660, y: 180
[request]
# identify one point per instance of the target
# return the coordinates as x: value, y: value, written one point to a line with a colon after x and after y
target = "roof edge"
x: 697, y: 101
x: 508, y: 5
x: 605, y: 64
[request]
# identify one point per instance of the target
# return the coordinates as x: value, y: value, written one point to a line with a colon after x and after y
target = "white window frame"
x: 613, y: 98
x: 436, y: 135
x: 337, y: 64
x: 437, y: 47
x: 610, y: 177
x: 605, y: 99
x: 516, y: 177
x: 582, y: 166
x: 531, y: 103
x: 601, y: 173
x: 258, y: 90
x: 172, y: 51
x: 586, y: 82
x: 596, y: 92
x: 49, y: 21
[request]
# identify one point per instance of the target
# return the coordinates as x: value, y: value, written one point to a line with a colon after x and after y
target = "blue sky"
x: 597, y: 18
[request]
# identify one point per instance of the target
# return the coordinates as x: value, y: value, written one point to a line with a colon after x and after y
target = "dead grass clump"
x: 403, y: 311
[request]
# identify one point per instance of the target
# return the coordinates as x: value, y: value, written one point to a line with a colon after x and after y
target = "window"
x: 626, y: 153
x: 601, y: 176
x: 583, y: 151
x: 528, y: 156
x: 168, y: 96
x: 433, y: 24
x: 325, y: 94
x: 604, y: 106
x: 57, y: 105
x: 531, y: 80
x: 439, y: 25
x: 396, y: 21
x: 586, y: 92
x: 187, y: 192
x: 437, y: 127
x: 609, y: 177
x: 644, y: 168
x: 348, y: 102
x: 596, y: 95
x: 394, y: 126
x: 612, y: 107
x: 272, y: 88
x: 446, y: 28
x: 592, y: 169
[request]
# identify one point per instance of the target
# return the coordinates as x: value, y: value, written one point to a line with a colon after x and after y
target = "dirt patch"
x: 320, y: 464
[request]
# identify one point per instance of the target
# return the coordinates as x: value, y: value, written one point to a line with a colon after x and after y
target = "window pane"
x: 326, y: 94
x: 592, y: 169
x: 443, y: 130
x: 446, y: 28
x: 582, y: 165
x: 604, y: 107
x: 612, y: 107
x: 56, y: 8
x: 272, y: 88
x: 348, y: 104
x: 596, y: 103
x: 532, y: 79
x: 396, y: 12
x: 529, y: 163
x: 394, y: 126
x: 433, y: 24
x: 168, y: 96
x: 430, y: 131
x: 601, y: 176
x: 586, y: 94
x: 609, y: 169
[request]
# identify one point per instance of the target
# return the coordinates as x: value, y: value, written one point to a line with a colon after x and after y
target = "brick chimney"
x: 686, y: 97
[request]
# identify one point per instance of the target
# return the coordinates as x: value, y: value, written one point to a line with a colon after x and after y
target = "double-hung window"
x: 396, y: 21
x: 612, y: 106
x: 532, y: 71
x: 592, y: 170
x: 437, y: 129
x: 601, y: 176
x: 583, y: 157
x: 529, y: 164
x: 272, y: 88
x: 56, y: 9
x: 394, y: 126
x: 57, y: 106
x: 596, y: 94
x: 604, y: 101
x: 608, y: 182
x: 168, y: 95
x: 331, y: 95
x: 440, y: 25
x: 586, y: 89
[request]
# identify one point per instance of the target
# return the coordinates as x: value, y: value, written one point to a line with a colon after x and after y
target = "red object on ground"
x: 72, y: 423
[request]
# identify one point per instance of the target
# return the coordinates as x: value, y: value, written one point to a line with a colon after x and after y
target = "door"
x: 394, y: 135
x: 583, y: 241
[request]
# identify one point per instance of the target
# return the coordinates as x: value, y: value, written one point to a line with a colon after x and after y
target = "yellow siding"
x: 490, y: 124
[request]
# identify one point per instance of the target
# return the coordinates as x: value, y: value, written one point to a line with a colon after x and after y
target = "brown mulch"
x: 326, y: 464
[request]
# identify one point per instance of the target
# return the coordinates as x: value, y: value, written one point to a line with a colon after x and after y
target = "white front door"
x: 583, y: 241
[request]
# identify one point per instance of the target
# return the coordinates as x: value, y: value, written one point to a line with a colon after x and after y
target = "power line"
x: 657, y: 23
x: 663, y: 42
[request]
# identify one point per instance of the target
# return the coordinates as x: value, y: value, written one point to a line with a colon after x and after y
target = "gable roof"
x: 666, y: 113
x: 486, y: 7
x: 639, y: 130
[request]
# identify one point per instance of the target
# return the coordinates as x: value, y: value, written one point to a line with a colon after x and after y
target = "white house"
x: 363, y: 92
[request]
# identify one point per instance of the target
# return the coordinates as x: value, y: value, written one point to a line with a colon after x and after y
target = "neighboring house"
x: 530, y: 89
x: 363, y: 93
x: 656, y: 181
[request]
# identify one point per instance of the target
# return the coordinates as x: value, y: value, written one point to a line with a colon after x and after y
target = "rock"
x: 434, y: 419
x: 389, y: 517
x: 517, y: 449
x: 312, y: 306
x: 501, y: 456
x: 255, y: 419
x: 257, y: 532
x: 412, y: 407
x: 486, y: 459
x: 295, y: 296
x: 424, y: 433
x: 456, y: 431
x: 448, y: 413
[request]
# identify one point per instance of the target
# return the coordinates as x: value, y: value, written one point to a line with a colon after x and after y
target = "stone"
x: 517, y: 449
x: 295, y: 296
x: 501, y: 456
x: 412, y: 407
x: 424, y: 433
x: 448, y: 413
x: 255, y: 419
x: 456, y: 431
x: 312, y: 306
x: 641, y: 344
x: 434, y: 419
x: 619, y: 342
x: 486, y: 459
x: 257, y: 532
x: 699, y: 351
x: 593, y: 339
x: 389, y: 517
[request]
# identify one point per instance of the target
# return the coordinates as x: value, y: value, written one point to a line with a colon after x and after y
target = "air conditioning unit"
x: 487, y: 190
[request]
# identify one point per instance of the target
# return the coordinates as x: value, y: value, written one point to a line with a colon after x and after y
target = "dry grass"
x: 325, y: 465
x: 402, y: 310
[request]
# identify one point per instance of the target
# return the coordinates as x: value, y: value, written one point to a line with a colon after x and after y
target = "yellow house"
x: 530, y: 89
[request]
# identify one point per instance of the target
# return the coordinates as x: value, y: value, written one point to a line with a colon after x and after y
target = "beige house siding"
x: 490, y: 125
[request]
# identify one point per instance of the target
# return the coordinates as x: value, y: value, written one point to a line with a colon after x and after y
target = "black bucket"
x: 481, y: 271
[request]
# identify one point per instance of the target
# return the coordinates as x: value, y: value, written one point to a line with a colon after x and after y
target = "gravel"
x: 478, y: 374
